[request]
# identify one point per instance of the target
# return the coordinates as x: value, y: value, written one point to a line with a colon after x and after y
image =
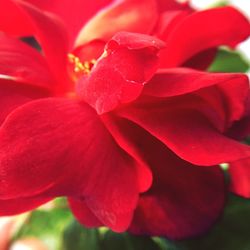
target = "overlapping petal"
x: 201, y: 32
x: 34, y: 162
x: 184, y: 200
x: 190, y: 124
x: 129, y: 61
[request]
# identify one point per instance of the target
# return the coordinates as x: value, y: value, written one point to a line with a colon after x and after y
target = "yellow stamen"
x: 80, y: 68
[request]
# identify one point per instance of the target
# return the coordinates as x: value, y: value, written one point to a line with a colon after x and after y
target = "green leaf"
x: 126, y: 241
x: 231, y: 232
x: 46, y: 225
x: 76, y: 237
x: 229, y: 61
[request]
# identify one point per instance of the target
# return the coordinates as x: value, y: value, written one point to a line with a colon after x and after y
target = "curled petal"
x: 201, y: 32
x: 129, y: 61
x: 232, y: 88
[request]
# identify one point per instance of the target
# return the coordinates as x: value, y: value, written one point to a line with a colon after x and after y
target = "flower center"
x: 78, y: 68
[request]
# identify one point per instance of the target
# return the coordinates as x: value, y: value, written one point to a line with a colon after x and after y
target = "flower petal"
x: 22, y: 63
x: 188, y: 133
x: 166, y: 5
x: 114, y: 125
x: 82, y: 212
x: 125, y: 15
x: 52, y: 36
x: 74, y: 13
x: 179, y: 81
x: 186, y: 200
x: 12, y: 21
x: 13, y: 95
x: 118, y: 77
x: 240, y: 177
x: 66, y: 151
x: 21, y: 205
x: 232, y: 88
x: 201, y: 32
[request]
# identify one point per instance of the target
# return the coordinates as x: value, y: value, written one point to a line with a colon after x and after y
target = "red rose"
x: 96, y: 131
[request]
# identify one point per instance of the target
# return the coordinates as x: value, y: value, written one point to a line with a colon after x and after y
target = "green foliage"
x: 77, y: 237
x: 61, y: 231
x: 46, y: 225
x: 229, y: 61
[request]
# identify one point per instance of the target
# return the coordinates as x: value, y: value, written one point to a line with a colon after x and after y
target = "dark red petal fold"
x: 184, y: 200
x: 52, y: 36
x: 74, y: 155
x: 129, y: 61
x: 21, y: 205
x: 201, y: 32
x: 240, y: 177
x: 122, y: 139
x: 22, y: 63
x: 125, y: 15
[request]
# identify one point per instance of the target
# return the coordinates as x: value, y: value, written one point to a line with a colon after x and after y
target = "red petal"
x: 82, y: 212
x: 188, y: 133
x: 13, y: 95
x: 74, y: 13
x: 179, y: 81
x: 202, y: 60
x: 240, y: 177
x: 166, y: 5
x: 186, y: 200
x: 22, y: 63
x: 114, y: 125
x: 12, y: 21
x: 66, y: 151
x: 52, y: 36
x: 126, y: 15
x: 232, y: 88
x: 21, y: 205
x: 201, y: 32
x: 119, y: 75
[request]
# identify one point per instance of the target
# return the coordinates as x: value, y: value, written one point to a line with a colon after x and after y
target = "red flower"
x: 99, y: 143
